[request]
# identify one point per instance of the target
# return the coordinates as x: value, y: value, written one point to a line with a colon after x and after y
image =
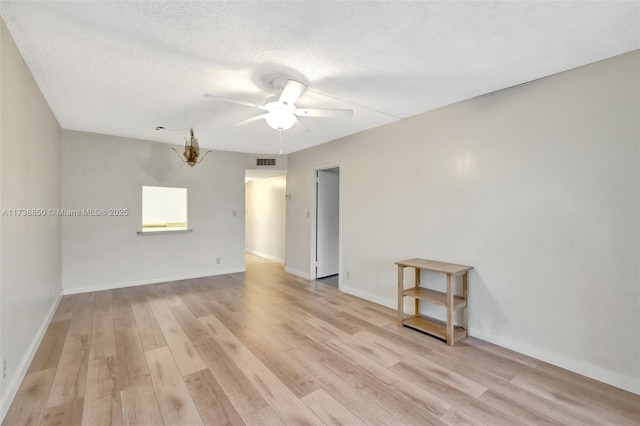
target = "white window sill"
x: 166, y: 231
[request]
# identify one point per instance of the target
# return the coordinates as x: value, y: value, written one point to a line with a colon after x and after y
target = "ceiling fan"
x: 281, y: 110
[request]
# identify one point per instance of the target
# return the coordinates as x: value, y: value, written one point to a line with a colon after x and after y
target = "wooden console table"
x: 443, y: 330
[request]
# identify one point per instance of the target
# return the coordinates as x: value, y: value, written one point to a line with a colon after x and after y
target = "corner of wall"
x: 30, y: 280
x: 297, y: 273
x: 10, y: 391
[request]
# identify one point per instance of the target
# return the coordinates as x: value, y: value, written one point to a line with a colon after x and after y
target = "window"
x: 164, y: 209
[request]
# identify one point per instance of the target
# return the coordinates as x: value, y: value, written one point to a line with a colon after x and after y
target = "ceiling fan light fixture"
x: 281, y: 110
x: 280, y: 119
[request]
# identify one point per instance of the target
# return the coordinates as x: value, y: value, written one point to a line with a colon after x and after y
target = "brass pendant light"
x: 191, y: 148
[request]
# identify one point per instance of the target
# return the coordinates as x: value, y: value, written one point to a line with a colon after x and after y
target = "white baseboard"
x: 23, y: 367
x: 297, y: 273
x: 586, y: 369
x: 265, y: 255
x: 369, y: 296
x: 111, y: 286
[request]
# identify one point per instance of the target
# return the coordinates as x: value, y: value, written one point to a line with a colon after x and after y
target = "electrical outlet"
x: 348, y: 275
x: 4, y: 368
x: 217, y: 260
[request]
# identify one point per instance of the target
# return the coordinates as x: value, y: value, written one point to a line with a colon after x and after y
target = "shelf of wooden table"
x: 434, y: 296
x: 433, y: 326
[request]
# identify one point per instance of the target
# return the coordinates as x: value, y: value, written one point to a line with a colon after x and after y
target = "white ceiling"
x: 123, y: 68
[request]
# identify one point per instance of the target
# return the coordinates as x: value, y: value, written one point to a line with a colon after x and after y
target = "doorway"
x: 265, y: 214
x: 327, y: 226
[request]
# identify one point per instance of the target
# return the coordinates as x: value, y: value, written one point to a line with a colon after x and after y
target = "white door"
x: 327, y: 222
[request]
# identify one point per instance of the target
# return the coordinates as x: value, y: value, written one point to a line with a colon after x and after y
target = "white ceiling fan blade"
x: 328, y: 113
x: 291, y: 92
x: 303, y: 125
x: 250, y: 120
x: 249, y: 104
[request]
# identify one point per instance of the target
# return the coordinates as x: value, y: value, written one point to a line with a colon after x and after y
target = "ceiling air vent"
x: 265, y: 161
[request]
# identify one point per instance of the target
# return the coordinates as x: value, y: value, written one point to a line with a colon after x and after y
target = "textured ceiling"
x: 122, y: 68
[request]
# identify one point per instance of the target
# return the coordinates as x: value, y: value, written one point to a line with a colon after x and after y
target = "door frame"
x: 313, y: 222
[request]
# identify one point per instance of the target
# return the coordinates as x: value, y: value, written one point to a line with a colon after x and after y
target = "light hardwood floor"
x: 266, y: 347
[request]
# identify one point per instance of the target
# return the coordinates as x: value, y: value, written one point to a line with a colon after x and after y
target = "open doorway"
x: 327, y: 226
x: 265, y: 213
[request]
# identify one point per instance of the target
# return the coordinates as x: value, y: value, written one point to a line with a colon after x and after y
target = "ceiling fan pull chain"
x: 280, y: 150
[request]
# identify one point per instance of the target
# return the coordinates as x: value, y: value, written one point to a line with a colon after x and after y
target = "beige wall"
x: 266, y: 217
x: 537, y: 187
x: 101, y: 171
x: 30, y: 246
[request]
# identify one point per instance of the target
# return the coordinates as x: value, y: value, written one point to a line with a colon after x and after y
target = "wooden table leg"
x: 465, y: 294
x: 416, y: 300
x: 450, y: 336
x: 400, y: 296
